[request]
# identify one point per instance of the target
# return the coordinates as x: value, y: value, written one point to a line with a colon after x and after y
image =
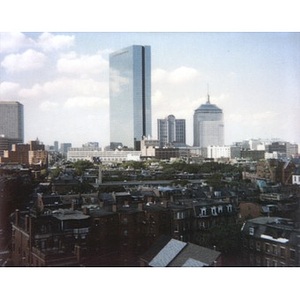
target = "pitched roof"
x: 167, y: 254
x: 173, y: 253
x: 194, y: 256
x: 155, y: 248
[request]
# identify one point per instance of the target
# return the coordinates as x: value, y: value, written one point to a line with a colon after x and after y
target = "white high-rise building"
x: 12, y: 120
x: 170, y: 130
x: 208, y: 125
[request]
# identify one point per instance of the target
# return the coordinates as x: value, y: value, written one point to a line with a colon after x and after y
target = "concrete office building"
x: 208, y: 125
x: 12, y: 120
x: 130, y: 95
x: 64, y: 147
x: 170, y: 130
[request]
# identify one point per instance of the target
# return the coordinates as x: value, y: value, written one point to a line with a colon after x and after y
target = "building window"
x: 267, y: 248
x: 176, y: 228
x: 274, y: 263
x: 251, y: 244
x: 258, y: 246
x: 203, y: 212
x: 202, y: 225
x: 229, y: 207
x: 258, y: 260
x: 292, y: 254
x: 274, y: 249
x: 125, y: 232
x: 179, y: 215
x: 214, y: 211
x: 282, y: 251
x: 251, y: 230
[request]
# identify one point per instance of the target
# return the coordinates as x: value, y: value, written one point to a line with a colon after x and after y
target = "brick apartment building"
x: 114, y: 229
x: 271, y: 241
x: 29, y: 154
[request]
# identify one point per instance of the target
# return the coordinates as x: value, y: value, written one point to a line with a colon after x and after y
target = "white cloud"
x: 179, y: 75
x: 29, y: 60
x: 9, y: 90
x: 48, y: 105
x: 14, y: 41
x: 93, y: 64
x: 66, y: 87
x: 183, y: 74
x: 86, y: 102
x: 48, y: 41
x: 34, y: 92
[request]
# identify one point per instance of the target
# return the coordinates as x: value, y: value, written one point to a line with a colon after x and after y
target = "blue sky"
x: 62, y: 80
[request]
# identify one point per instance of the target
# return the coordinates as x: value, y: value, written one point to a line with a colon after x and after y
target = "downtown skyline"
x: 62, y: 79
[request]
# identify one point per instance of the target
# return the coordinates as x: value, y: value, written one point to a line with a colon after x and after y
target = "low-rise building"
x: 271, y: 241
x: 90, y: 153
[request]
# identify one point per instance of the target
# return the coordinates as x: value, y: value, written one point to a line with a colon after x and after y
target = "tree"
x: 82, y: 165
x: 226, y: 238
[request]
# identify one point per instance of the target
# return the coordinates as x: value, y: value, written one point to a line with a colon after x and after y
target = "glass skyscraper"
x: 130, y: 95
x: 208, y: 125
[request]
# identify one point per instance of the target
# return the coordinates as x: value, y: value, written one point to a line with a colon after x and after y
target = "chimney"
x: 165, y: 203
x: 86, y: 210
x: 17, y: 217
x: 27, y: 223
x: 78, y: 253
x: 172, y: 198
x: 140, y: 205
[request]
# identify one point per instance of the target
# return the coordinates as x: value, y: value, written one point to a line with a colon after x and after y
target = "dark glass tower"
x: 130, y: 95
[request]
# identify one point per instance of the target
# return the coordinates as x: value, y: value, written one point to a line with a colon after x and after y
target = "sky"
x: 62, y: 79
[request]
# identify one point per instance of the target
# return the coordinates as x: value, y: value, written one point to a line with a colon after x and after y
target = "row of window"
x: 273, y: 249
x: 215, y: 210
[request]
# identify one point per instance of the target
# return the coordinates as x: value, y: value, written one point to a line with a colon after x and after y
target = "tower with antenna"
x: 208, y: 125
x: 208, y: 100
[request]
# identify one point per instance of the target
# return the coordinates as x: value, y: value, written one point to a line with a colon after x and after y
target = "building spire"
x: 208, y: 101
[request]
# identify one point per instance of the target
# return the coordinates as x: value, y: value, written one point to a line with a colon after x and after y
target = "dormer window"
x: 214, y: 211
x: 220, y: 209
x: 180, y: 215
x: 229, y: 208
x: 203, y: 212
x: 251, y: 230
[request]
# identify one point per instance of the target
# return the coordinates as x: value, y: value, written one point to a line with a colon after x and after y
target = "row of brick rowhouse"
x: 118, y: 226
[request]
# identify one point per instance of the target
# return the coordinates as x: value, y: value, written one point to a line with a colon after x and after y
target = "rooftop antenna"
x: 208, y: 101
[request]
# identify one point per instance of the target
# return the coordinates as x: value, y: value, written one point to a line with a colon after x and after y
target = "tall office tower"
x: 130, y: 95
x: 208, y: 125
x: 171, y: 130
x: 56, y: 146
x: 12, y: 121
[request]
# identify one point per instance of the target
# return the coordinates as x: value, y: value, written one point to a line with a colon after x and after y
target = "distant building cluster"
x: 30, y: 154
